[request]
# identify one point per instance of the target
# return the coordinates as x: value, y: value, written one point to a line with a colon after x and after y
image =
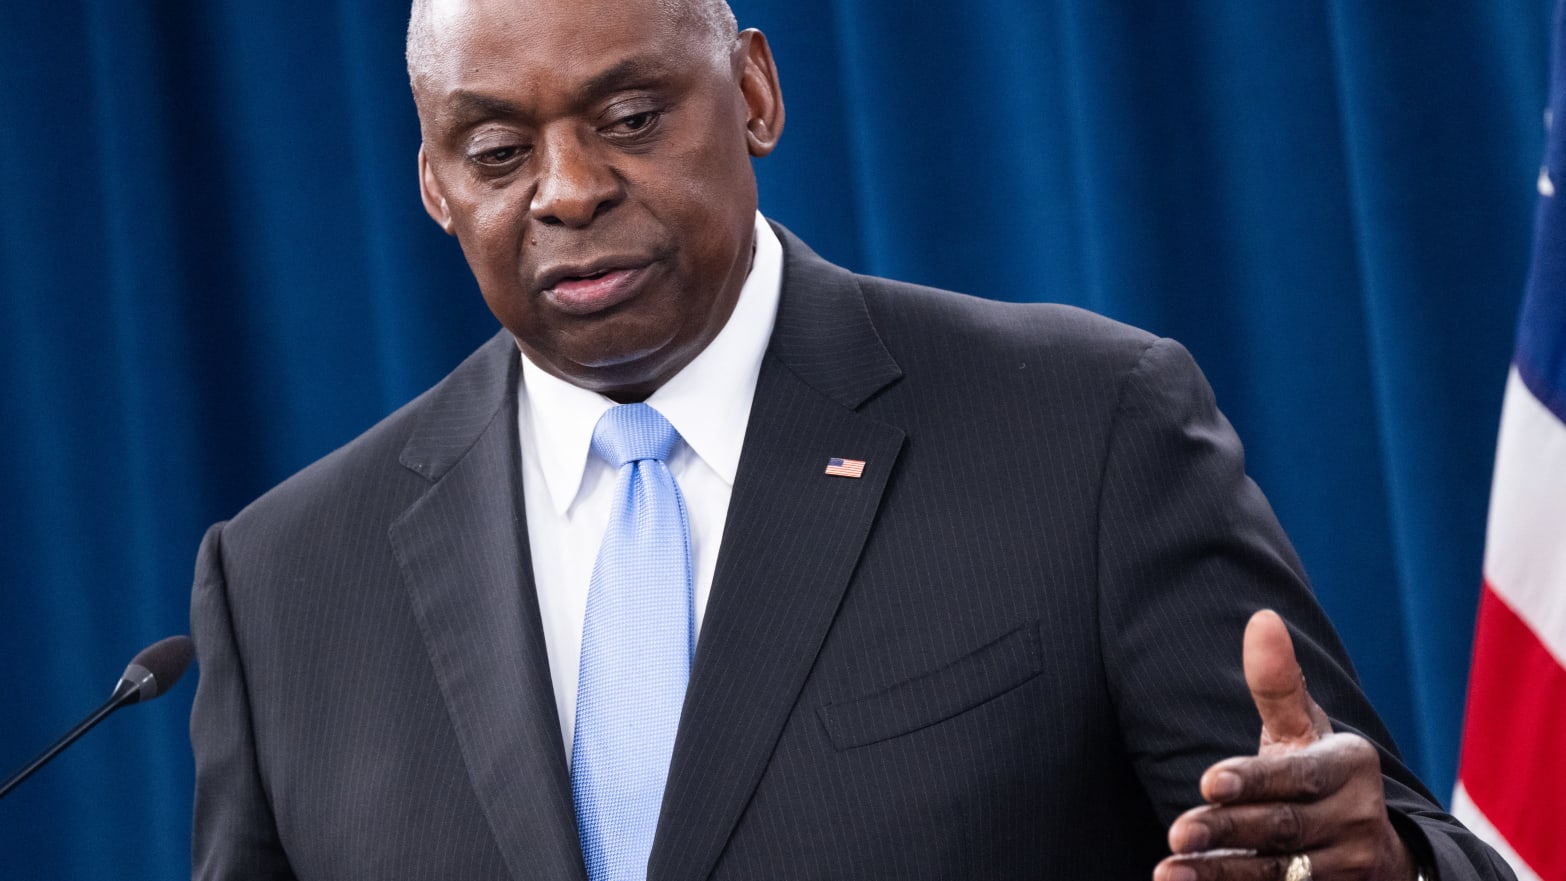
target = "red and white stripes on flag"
x: 1513, y: 765
x: 1512, y: 771
x: 845, y: 467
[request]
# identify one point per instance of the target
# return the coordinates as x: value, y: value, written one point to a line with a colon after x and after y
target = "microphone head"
x: 157, y: 667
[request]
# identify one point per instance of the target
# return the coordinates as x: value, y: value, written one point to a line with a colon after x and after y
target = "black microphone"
x: 152, y: 672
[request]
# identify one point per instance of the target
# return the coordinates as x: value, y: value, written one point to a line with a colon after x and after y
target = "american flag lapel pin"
x: 845, y: 467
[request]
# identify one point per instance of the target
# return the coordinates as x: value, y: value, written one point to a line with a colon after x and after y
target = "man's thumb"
x: 1277, y: 685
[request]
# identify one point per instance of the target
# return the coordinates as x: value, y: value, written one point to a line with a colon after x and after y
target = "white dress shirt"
x: 568, y: 489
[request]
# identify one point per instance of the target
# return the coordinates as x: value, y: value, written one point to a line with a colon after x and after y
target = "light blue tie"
x: 636, y: 649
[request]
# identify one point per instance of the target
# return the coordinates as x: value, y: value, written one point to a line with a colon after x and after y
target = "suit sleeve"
x: 1188, y: 550
x: 234, y: 835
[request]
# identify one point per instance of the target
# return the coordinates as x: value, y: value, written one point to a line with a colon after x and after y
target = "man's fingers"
x: 1273, y: 827
x: 1302, y: 775
x: 1242, y: 866
x: 1270, y: 827
x: 1308, y: 791
x: 1289, y: 716
x: 1225, y: 866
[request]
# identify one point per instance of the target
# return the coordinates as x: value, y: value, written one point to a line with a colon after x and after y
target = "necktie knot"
x: 632, y: 432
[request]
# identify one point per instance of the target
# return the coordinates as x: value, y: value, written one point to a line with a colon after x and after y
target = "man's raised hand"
x: 1306, y: 792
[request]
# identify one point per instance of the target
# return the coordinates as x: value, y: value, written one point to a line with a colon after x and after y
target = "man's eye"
x: 497, y: 155
x: 636, y: 122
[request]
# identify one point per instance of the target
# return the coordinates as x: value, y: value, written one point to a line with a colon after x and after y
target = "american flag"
x: 1513, y: 765
x: 845, y: 467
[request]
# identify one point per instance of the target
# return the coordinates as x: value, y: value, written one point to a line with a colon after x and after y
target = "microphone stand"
x: 125, y: 694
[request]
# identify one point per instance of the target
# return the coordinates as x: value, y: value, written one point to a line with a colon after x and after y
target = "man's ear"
x: 763, y: 93
x: 429, y: 191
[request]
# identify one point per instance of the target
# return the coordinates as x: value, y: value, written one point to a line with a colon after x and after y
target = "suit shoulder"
x: 374, y: 465
x: 914, y: 320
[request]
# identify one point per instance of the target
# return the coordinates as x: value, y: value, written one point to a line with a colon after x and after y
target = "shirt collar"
x: 707, y: 402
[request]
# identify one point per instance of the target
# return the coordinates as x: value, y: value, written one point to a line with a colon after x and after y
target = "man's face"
x: 593, y: 159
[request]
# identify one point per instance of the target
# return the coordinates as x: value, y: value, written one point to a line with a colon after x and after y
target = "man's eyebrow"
x: 469, y: 106
x: 631, y: 72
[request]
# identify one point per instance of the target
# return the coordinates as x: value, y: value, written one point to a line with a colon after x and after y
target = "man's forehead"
x: 463, y: 39
x: 547, y: 56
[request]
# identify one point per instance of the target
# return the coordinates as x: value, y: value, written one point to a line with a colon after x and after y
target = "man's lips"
x: 587, y: 289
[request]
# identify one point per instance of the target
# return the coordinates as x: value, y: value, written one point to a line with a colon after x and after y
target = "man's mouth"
x: 586, y: 290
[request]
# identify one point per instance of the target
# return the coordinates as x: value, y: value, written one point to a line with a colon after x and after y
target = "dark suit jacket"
x: 1008, y: 651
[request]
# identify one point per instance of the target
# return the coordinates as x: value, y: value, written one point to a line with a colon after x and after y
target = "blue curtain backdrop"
x: 214, y: 268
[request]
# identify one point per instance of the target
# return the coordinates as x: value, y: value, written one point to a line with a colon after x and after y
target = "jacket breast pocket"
x: 933, y: 697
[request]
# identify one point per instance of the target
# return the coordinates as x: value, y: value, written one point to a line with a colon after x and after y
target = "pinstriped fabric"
x: 1044, y: 490
x: 841, y: 358
x: 467, y: 573
x: 780, y: 588
x: 976, y: 778
x: 1032, y: 443
x: 934, y: 697
x: 364, y: 640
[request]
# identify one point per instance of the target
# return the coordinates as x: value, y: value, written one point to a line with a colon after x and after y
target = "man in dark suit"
x: 999, y: 638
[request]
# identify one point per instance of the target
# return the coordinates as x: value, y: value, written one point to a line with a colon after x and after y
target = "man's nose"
x: 576, y: 183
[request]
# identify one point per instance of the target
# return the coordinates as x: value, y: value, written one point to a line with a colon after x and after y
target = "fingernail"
x: 1226, y: 785
x: 1179, y: 872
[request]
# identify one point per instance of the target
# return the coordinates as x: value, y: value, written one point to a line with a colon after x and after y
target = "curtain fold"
x: 214, y: 268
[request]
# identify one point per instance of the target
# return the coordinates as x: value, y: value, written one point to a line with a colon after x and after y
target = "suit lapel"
x: 464, y: 556
x: 791, y: 541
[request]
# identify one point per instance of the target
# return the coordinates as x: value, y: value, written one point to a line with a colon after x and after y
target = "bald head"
x: 710, y: 20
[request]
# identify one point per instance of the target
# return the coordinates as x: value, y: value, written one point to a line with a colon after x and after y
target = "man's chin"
x: 624, y: 375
